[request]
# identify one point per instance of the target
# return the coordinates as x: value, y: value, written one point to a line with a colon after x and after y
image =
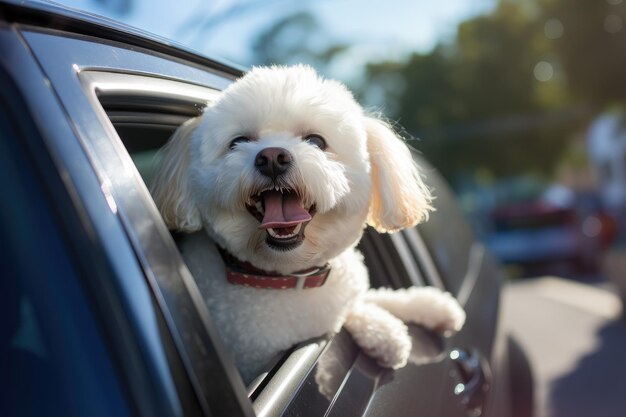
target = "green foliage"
x: 295, y: 39
x: 477, y: 101
x: 486, y: 73
x: 591, y: 49
x: 505, y: 96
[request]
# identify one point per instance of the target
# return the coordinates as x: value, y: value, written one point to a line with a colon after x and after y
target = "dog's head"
x: 284, y: 169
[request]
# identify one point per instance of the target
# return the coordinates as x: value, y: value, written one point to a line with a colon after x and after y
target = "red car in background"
x: 540, y: 237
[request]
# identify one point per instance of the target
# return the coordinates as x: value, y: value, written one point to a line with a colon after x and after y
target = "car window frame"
x: 153, y: 243
x: 273, y: 390
x: 280, y: 386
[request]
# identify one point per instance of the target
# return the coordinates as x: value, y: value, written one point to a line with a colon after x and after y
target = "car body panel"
x: 78, y: 193
x: 63, y: 60
x: 51, y: 341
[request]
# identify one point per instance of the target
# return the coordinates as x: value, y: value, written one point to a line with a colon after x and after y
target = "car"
x: 100, y: 315
x: 540, y: 237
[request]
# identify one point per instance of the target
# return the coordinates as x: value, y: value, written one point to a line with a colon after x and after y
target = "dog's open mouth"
x: 282, y: 215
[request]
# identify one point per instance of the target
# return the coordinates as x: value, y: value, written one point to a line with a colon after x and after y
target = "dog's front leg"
x: 381, y: 335
x: 427, y: 306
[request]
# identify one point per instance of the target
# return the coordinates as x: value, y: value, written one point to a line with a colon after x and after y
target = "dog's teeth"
x: 273, y: 233
x: 297, y: 229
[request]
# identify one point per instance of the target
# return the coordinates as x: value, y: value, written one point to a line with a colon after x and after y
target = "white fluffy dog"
x: 281, y: 174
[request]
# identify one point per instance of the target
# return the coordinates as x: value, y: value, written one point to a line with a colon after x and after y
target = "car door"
x: 203, y: 381
x: 124, y: 101
x: 87, y: 338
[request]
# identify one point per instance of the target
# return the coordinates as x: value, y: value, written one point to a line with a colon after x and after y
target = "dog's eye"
x: 237, y: 140
x: 316, y: 140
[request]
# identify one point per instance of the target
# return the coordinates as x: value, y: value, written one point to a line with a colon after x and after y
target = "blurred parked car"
x: 543, y: 237
x: 100, y: 316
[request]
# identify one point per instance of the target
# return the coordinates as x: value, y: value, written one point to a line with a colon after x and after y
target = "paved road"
x: 576, y: 342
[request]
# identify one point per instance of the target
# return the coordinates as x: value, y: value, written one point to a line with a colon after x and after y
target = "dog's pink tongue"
x: 282, y: 210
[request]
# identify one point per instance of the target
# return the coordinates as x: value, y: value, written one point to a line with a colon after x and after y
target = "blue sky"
x: 377, y: 30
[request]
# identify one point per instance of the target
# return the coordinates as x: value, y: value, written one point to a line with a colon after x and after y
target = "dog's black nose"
x: 273, y: 162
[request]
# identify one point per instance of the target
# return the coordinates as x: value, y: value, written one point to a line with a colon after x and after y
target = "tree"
x: 477, y: 101
x: 499, y: 96
x: 591, y: 48
x: 296, y: 38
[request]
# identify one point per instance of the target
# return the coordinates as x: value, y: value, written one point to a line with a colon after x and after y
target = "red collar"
x: 244, y: 273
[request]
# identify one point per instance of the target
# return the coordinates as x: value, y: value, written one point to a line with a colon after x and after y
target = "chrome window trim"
x: 283, y: 386
x: 476, y: 260
x: 408, y: 259
x: 117, y: 84
x: 418, y: 247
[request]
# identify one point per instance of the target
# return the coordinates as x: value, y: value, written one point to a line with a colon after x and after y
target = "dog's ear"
x: 170, y: 187
x: 399, y: 198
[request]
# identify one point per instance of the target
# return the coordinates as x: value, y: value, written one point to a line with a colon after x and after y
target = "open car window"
x: 144, y: 123
x: 313, y: 373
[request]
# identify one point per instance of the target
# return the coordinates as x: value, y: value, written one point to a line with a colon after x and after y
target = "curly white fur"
x: 365, y: 175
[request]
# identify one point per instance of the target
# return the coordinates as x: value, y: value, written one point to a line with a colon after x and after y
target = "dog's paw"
x: 392, y: 353
x: 445, y: 314
x: 427, y: 306
x: 380, y: 335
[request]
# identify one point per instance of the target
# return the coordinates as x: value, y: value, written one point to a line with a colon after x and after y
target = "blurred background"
x: 519, y: 103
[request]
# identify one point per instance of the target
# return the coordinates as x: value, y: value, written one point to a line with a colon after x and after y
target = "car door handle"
x: 473, y: 376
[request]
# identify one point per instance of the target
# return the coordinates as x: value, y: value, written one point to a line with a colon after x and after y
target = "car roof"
x: 57, y: 16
